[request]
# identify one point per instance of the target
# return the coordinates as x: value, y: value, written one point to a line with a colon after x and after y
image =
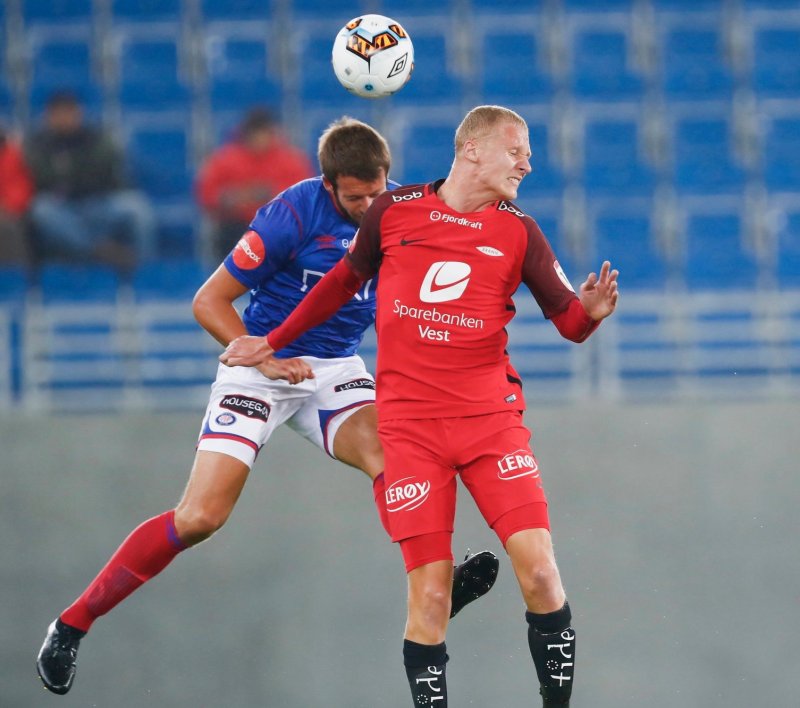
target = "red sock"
x: 379, y: 490
x: 143, y: 555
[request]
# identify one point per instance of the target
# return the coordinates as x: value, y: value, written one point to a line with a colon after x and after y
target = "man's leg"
x: 424, y: 649
x: 215, y: 483
x: 551, y: 637
x: 356, y: 444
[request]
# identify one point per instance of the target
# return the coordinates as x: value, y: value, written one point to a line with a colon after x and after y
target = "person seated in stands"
x: 83, y: 208
x: 16, y: 190
x: 244, y: 173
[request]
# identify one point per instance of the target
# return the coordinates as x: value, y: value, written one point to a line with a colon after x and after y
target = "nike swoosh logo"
x: 407, y: 241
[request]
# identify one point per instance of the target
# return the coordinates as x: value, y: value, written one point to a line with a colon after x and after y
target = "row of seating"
x: 155, y: 65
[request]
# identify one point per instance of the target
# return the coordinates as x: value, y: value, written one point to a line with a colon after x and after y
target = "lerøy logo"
x: 406, y: 494
x: 444, y: 281
x: 519, y: 463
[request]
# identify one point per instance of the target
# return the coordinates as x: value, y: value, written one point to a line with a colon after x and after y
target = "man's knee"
x: 196, y: 523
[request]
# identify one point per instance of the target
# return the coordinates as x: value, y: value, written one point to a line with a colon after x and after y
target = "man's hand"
x: 292, y: 370
x: 246, y: 351
x: 599, y: 295
x: 256, y: 352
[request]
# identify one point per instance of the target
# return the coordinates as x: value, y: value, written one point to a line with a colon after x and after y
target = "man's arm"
x: 338, y: 285
x: 213, y: 309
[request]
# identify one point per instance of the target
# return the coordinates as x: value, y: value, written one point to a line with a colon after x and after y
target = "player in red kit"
x: 451, y: 254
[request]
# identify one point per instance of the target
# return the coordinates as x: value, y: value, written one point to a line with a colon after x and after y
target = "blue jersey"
x: 293, y: 241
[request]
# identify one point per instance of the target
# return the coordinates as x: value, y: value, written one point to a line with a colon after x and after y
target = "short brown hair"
x: 480, y: 121
x: 351, y: 148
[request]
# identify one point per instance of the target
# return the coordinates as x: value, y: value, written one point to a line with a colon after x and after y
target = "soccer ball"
x: 373, y: 56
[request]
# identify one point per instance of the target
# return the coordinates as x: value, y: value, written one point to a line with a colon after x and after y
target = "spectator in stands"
x: 83, y: 208
x: 16, y: 190
x: 245, y: 173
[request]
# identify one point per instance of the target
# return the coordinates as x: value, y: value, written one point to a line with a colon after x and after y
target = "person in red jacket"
x: 241, y: 175
x: 16, y: 191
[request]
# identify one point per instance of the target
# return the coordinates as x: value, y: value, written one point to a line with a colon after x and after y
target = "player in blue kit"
x: 320, y: 387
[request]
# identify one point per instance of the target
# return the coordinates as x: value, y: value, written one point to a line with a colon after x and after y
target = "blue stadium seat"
x: 238, y: 72
x: 598, y: 5
x: 776, y: 62
x: 522, y: 8
x: 147, y: 10
x: 613, y: 161
x: 14, y: 284
x: 317, y: 83
x: 624, y: 234
x: 6, y: 101
x: 56, y: 12
x: 427, y: 151
x: 72, y: 283
x: 59, y: 63
x: 235, y: 10
x: 400, y: 9
x: 546, y: 176
x: 168, y: 280
x: 703, y: 156
x: 434, y: 80
x: 782, y: 154
x: 502, y: 82
x: 716, y: 258
x: 601, y: 66
x: 687, y: 6
x: 160, y: 158
x: 149, y: 68
x: 788, y: 249
x: 693, y: 64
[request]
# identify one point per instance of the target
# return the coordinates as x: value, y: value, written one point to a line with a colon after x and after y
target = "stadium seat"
x: 147, y: 11
x: 150, y: 71
x: 160, y: 159
x: 503, y: 52
x: 168, y: 280
x: 624, y: 234
x: 546, y: 175
x: 716, y: 257
x: 72, y: 283
x: 776, y: 62
x: 58, y: 63
x: 521, y: 8
x: 400, y: 9
x: 56, y: 12
x: 602, y: 66
x: 703, y: 156
x: 687, y: 6
x: 434, y: 81
x: 782, y: 153
x: 235, y: 10
x: 238, y: 72
x: 595, y: 6
x: 613, y: 161
x: 427, y: 151
x: 14, y: 284
x: 313, y: 72
x: 788, y: 249
x: 693, y: 64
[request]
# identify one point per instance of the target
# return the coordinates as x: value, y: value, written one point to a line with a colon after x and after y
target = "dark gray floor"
x: 675, y: 527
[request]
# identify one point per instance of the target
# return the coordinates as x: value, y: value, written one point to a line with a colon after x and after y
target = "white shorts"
x: 245, y: 406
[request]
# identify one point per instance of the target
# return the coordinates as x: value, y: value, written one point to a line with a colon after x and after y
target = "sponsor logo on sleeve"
x: 251, y: 407
x: 489, y: 251
x: 562, y: 276
x: 226, y: 419
x: 444, y: 281
x: 355, y: 383
x: 520, y: 463
x: 407, y: 494
x: 249, y: 252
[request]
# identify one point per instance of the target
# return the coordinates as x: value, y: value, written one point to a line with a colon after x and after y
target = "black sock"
x: 552, y: 643
x: 425, y: 664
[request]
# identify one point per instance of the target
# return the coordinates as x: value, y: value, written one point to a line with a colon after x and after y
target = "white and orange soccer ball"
x: 373, y: 56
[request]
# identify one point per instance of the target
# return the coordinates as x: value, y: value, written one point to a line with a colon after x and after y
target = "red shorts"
x: 491, y: 453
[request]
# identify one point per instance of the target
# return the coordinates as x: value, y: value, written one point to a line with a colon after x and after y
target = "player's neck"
x: 463, y: 195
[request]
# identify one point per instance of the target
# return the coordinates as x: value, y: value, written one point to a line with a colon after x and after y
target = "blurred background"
x: 665, y: 137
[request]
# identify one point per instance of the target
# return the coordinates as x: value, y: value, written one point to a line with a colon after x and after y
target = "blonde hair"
x: 480, y: 121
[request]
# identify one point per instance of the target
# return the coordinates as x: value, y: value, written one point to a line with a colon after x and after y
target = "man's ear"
x: 328, y: 185
x: 470, y: 150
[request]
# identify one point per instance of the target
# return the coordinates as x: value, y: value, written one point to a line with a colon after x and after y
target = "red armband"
x: 574, y: 323
x: 321, y: 302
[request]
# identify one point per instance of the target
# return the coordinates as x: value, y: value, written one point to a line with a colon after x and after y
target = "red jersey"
x: 444, y: 298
